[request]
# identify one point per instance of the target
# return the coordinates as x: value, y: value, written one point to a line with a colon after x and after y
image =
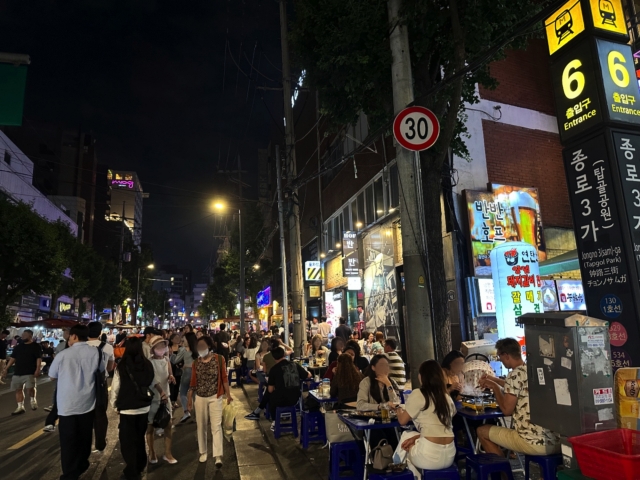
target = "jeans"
x: 53, y: 414
x: 132, y: 429
x: 75, y: 444
x: 185, y: 380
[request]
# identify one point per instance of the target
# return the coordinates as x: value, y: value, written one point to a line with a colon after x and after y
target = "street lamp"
x: 134, y: 315
x: 222, y: 206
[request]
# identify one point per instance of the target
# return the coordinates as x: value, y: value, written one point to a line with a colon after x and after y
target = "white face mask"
x: 160, y: 352
x: 203, y: 353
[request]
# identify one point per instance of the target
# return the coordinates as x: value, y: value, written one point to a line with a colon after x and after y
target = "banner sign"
x: 351, y: 265
x: 263, y: 298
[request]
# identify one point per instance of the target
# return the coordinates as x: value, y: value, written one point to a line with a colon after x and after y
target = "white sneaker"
x: 159, y: 431
x: 49, y: 428
x: 203, y: 458
x: 34, y: 405
x: 18, y: 411
x: 185, y: 417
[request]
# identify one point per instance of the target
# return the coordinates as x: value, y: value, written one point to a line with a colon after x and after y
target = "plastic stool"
x: 406, y: 475
x: 312, y: 429
x: 234, y: 376
x: 450, y: 473
x: 548, y: 464
x: 281, y: 427
x: 349, y: 453
x: 485, y: 465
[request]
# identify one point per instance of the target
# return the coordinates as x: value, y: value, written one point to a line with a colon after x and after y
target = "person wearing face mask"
x: 162, y: 377
x: 210, y: 383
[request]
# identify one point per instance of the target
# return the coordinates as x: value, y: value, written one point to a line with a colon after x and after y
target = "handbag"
x: 382, y: 456
x: 162, y: 418
x: 236, y: 362
x: 118, y: 350
x: 336, y: 429
x: 100, y: 381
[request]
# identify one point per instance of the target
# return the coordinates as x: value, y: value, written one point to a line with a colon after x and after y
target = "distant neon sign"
x: 263, y: 298
x: 123, y: 183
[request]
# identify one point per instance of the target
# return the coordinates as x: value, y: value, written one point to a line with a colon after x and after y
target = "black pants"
x: 75, y: 444
x: 132, y: 429
x: 174, y: 388
x: 265, y: 399
x: 101, y: 424
x: 53, y: 414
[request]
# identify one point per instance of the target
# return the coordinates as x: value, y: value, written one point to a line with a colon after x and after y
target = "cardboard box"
x: 483, y: 347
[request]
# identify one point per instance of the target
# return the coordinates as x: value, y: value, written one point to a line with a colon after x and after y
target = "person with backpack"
x: 100, y: 421
x: 131, y: 397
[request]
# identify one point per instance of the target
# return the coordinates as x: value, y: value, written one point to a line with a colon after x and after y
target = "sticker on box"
x: 595, y: 341
x: 565, y: 362
x: 603, y: 396
x: 541, y: 376
x: 605, y: 414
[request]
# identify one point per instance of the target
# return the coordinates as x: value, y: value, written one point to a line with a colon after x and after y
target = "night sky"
x: 146, y: 78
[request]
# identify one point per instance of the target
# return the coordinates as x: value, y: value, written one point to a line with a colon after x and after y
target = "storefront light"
x: 338, y: 245
x: 322, y: 255
x: 358, y: 224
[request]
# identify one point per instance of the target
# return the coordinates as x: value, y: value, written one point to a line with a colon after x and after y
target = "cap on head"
x: 149, y: 331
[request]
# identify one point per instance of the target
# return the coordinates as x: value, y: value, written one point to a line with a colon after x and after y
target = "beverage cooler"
x: 570, y: 375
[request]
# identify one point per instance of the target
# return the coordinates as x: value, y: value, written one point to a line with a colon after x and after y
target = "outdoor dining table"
x: 316, y: 394
x: 366, y: 427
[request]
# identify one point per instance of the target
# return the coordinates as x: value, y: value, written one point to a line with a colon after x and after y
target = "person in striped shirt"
x: 396, y: 365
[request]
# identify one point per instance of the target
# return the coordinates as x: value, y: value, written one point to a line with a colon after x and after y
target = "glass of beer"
x: 384, y: 413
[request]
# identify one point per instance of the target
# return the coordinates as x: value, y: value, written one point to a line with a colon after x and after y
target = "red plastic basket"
x: 609, y: 455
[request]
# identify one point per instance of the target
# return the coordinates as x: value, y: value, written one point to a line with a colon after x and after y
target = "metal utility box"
x: 569, y: 372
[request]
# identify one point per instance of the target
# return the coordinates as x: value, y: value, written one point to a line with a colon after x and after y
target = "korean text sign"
x: 507, y: 214
x: 351, y: 265
x: 516, y: 283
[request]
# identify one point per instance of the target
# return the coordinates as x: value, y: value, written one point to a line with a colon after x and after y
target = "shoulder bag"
x: 336, y: 429
x: 162, y: 418
x: 146, y: 394
x: 99, y: 379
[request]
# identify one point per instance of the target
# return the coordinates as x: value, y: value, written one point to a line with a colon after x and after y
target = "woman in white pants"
x: 210, y: 383
x: 431, y: 408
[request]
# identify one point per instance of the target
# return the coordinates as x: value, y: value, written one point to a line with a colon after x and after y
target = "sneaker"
x: 252, y: 416
x: 49, y: 428
x: 34, y: 405
x: 18, y: 411
x: 48, y: 409
x: 203, y: 458
x: 273, y: 426
x: 185, y: 417
x: 218, y: 462
x: 159, y: 431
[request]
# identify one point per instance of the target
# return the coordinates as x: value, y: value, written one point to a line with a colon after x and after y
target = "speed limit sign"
x: 416, y: 128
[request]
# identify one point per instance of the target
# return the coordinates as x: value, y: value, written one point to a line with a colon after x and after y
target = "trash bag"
x: 229, y: 420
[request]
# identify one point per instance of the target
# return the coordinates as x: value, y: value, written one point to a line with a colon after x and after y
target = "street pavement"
x: 26, y: 453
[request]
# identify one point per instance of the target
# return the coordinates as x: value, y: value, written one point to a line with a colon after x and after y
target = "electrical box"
x: 569, y: 371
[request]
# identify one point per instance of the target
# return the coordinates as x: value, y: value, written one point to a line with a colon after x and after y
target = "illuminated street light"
x: 256, y: 267
x: 358, y: 224
x: 322, y: 255
x: 338, y: 245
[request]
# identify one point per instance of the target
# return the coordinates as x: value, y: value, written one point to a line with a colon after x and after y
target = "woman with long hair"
x: 210, y: 383
x: 131, y: 398
x: 186, y: 354
x: 361, y: 362
x: 431, y: 408
x: 346, y: 381
x: 176, y: 367
x: 368, y: 340
x: 377, y: 388
x: 315, y: 347
x: 337, y: 346
x: 257, y: 375
x: 452, y: 365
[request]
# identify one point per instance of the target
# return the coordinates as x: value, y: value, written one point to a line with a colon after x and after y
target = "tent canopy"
x: 47, y: 323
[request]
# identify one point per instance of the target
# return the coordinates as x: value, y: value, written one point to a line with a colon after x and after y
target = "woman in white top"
x: 250, y: 349
x: 431, y: 408
x: 315, y: 348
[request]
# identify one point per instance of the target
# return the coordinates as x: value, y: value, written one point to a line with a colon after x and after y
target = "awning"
x: 562, y: 263
x: 47, y: 323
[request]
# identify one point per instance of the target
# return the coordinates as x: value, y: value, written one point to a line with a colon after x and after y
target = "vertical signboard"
x: 351, y: 265
x: 516, y: 285
x: 564, y: 25
x: 604, y: 260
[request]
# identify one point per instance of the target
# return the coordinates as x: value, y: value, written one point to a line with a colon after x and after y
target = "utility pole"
x: 241, y: 248
x: 419, y: 324
x: 295, y: 257
x: 283, y: 255
x: 121, y: 259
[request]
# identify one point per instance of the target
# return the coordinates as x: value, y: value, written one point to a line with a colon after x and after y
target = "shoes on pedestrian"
x: 252, y: 416
x: 48, y: 409
x: 49, y: 428
x: 185, y: 417
x: 34, y: 405
x: 153, y: 461
x: 159, y: 431
x: 172, y: 461
x: 18, y: 411
x: 218, y: 462
x: 203, y: 458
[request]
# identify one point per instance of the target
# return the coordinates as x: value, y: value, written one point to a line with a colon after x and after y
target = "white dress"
x: 161, y: 377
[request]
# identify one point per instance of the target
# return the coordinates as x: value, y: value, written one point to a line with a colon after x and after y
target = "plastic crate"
x: 571, y: 475
x: 609, y: 455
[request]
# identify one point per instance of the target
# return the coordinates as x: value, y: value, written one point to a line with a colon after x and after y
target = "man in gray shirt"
x: 74, y: 368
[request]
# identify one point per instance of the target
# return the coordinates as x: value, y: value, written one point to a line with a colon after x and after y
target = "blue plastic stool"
x: 349, y: 454
x: 312, y: 429
x: 282, y: 427
x: 406, y: 475
x: 234, y: 376
x: 450, y: 473
x: 486, y: 465
x: 548, y: 464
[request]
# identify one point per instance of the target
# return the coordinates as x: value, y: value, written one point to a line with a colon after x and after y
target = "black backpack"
x: 99, y: 379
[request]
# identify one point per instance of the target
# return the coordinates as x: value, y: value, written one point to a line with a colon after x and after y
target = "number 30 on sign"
x: 416, y: 128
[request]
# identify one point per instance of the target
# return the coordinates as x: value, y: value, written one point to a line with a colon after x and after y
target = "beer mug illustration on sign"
x: 525, y: 212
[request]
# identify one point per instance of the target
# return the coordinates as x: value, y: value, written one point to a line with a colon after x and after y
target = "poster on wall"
x: 506, y: 214
x: 571, y: 295
x: 516, y: 283
x: 333, y: 310
x: 549, y: 296
x: 487, y: 295
x: 380, y: 289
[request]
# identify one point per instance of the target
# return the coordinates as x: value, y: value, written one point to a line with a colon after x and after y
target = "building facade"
x: 125, y: 201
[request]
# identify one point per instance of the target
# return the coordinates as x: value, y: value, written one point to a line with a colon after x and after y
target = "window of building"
x: 354, y: 214
x: 346, y: 216
x: 369, y: 204
x: 361, y: 218
x: 7, y: 157
x: 378, y: 197
x: 393, y: 186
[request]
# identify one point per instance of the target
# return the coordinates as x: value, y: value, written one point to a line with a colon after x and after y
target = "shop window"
x: 369, y: 204
x: 378, y: 197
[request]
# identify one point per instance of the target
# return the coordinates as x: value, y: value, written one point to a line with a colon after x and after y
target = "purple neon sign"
x: 123, y: 183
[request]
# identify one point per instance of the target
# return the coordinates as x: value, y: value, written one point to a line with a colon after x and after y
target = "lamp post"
x: 134, y: 315
x: 221, y: 206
